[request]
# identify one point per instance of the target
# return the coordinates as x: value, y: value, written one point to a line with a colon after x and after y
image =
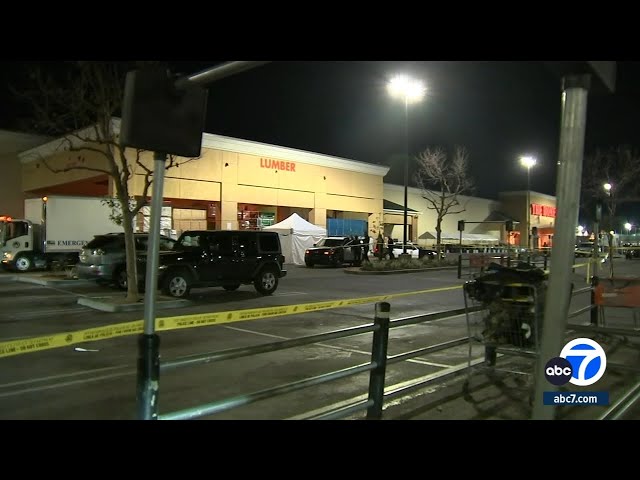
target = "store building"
x: 234, y: 184
x: 422, y: 219
x: 536, y: 213
x: 11, y: 194
x: 485, y: 219
x: 240, y: 184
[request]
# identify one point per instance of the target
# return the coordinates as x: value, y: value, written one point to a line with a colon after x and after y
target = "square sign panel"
x: 159, y: 117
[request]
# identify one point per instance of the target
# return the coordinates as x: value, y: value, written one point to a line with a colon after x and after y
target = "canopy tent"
x: 296, y: 235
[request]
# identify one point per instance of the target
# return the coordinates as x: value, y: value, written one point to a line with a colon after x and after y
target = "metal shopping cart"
x: 504, y: 311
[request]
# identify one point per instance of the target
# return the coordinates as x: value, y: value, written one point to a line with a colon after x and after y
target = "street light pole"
x: 410, y: 91
x: 406, y: 175
x: 529, y: 208
x: 528, y: 162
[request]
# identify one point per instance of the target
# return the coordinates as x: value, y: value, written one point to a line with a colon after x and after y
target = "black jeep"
x: 219, y: 258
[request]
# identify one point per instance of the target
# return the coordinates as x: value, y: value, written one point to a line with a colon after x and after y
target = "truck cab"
x: 16, y: 235
x: 17, y: 240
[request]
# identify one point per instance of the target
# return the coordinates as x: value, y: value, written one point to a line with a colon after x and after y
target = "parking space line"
x: 63, y: 375
x: 343, y: 349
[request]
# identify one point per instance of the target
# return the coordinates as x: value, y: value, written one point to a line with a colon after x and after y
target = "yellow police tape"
x: 56, y: 340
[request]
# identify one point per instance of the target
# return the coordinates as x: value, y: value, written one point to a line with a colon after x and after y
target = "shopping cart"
x: 504, y: 311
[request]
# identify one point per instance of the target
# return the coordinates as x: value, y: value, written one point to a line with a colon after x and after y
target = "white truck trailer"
x: 53, y: 232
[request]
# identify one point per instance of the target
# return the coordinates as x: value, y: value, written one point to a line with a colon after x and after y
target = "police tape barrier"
x: 28, y: 345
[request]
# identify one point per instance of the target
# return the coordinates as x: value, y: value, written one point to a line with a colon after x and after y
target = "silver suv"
x: 103, y: 259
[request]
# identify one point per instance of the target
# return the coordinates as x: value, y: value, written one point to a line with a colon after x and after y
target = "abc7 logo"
x: 582, y: 362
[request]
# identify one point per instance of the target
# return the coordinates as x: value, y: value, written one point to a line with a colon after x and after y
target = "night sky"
x: 497, y: 110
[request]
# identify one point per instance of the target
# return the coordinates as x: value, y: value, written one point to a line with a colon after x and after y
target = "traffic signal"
x: 461, y: 225
x: 510, y: 226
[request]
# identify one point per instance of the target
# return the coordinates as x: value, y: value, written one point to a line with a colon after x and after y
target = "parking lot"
x: 96, y: 380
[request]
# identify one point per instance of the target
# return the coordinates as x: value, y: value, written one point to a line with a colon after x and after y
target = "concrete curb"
x: 358, y: 271
x: 105, y: 304
x: 47, y: 281
x: 7, y: 278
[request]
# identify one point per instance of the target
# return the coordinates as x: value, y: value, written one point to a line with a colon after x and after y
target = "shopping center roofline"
x: 514, y: 193
x: 220, y: 142
x: 12, y: 142
x: 418, y: 191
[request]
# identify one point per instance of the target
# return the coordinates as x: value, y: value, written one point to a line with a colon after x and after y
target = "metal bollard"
x: 379, y: 357
x: 594, y: 307
x: 148, y: 376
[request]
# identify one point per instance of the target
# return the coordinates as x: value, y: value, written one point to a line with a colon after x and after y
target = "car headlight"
x: 163, y: 267
x: 6, y: 256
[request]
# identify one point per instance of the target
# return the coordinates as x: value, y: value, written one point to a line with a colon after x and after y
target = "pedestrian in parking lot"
x: 365, y: 248
x: 390, y: 248
x: 356, y: 250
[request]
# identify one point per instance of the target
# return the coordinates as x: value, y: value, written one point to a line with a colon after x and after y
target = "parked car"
x: 415, y: 251
x: 219, y: 258
x: 584, y: 249
x: 631, y: 251
x: 333, y: 251
x: 103, y: 259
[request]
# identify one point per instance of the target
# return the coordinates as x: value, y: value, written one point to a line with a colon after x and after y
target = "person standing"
x: 365, y: 247
x: 356, y: 250
x: 390, y: 248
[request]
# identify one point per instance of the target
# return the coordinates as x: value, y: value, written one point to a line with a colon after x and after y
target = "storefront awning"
x: 394, y: 207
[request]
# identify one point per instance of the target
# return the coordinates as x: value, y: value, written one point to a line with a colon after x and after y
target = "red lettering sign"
x: 277, y: 165
x: 543, y: 210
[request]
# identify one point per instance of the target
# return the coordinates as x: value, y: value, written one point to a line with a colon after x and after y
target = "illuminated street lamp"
x: 628, y: 227
x: 607, y: 188
x: 410, y: 91
x: 528, y: 162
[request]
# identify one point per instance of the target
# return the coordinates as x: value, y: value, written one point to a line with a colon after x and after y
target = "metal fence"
x: 376, y: 367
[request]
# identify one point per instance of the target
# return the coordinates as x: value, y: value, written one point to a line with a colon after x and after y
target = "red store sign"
x: 543, y: 210
x: 277, y: 165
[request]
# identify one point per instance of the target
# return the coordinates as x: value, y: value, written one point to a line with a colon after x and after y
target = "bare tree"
x: 442, y: 180
x: 78, y: 101
x: 619, y: 168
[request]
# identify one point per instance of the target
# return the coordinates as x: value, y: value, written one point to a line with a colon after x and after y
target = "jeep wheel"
x: 231, y: 288
x: 23, y: 263
x: 266, y: 282
x: 177, y: 284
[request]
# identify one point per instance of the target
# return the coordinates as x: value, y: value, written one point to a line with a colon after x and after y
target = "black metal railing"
x: 376, y: 367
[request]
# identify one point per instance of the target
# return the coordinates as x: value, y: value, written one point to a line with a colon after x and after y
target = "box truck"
x: 53, y: 232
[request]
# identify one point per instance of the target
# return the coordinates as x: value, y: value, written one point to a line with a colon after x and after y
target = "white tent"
x: 296, y: 235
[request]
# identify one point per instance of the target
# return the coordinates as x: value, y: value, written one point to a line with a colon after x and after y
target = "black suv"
x: 219, y: 258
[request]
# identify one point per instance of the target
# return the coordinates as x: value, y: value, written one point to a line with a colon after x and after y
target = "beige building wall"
x: 36, y: 175
x: 476, y: 210
x: 233, y: 171
x: 11, y: 191
x: 11, y: 196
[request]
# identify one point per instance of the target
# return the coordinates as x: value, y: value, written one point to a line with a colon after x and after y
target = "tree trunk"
x: 439, y: 237
x: 610, y: 239
x: 132, y: 276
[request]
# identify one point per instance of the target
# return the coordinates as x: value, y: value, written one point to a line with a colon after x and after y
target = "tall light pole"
x: 410, y: 91
x: 528, y: 162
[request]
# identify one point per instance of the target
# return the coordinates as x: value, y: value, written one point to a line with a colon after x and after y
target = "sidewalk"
x: 105, y: 303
